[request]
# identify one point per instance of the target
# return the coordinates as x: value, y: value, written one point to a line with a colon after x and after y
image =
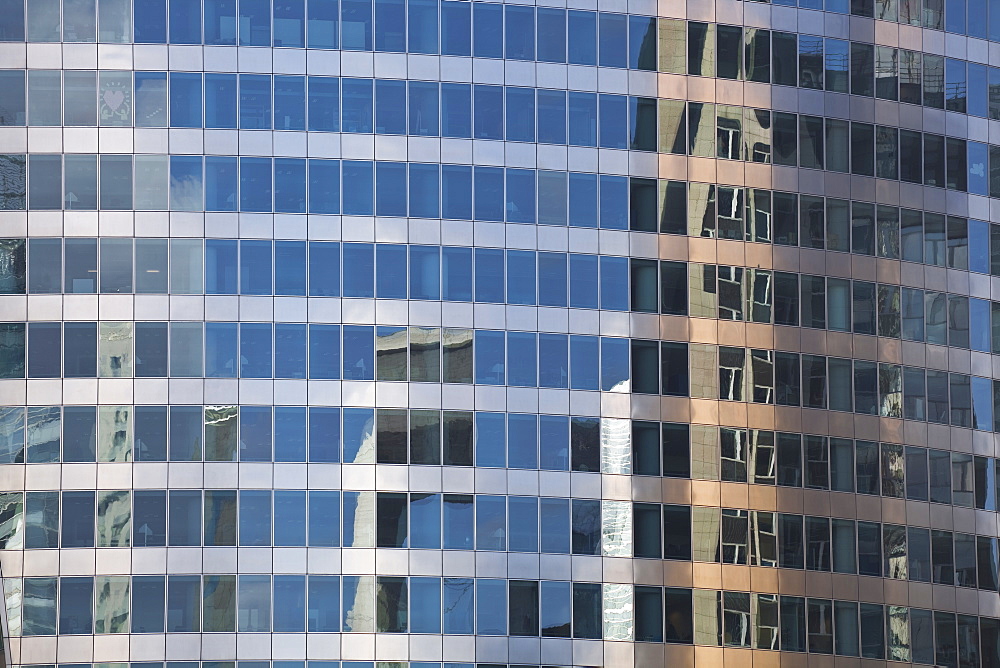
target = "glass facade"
x: 462, y: 334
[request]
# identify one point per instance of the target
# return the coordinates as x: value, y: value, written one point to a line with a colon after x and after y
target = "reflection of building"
x: 439, y: 334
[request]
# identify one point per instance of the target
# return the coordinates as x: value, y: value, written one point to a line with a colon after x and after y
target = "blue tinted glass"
x: 425, y: 521
x: 582, y: 37
x: 324, y: 269
x: 255, y: 267
x: 522, y: 441
x: 80, y: 349
x: 150, y: 20
x: 323, y: 25
x: 551, y: 35
x: 425, y: 272
x: 391, y: 271
x: 255, y: 22
x: 76, y: 605
x: 491, y: 607
x: 458, y: 521
x: 422, y: 17
x: 489, y: 275
x: 289, y: 102
x: 555, y: 527
x: 583, y: 352
x: 488, y: 106
x: 290, y: 268
x: 520, y: 33
x: 12, y: 83
x: 220, y: 22
x: 458, y: 597
x: 289, y: 350
x: 979, y: 233
x: 255, y: 184
x: 324, y: 186
x: 582, y: 200
x: 979, y: 104
x: 978, y: 19
x: 255, y: 518
x: 582, y: 119
x: 522, y: 363
x: 520, y: 203
x: 324, y: 433
x: 614, y: 121
x: 390, y: 107
x: 982, y: 403
x: 186, y: 193
x: 520, y: 114
x: 423, y: 110
x: 358, y: 101
x: 456, y: 192
x: 524, y: 531
x: 978, y: 159
x: 359, y: 270
x: 425, y: 607
x: 185, y: 21
x: 220, y: 349
x: 323, y: 612
x: 955, y: 16
x: 289, y: 435
x: 390, y: 178
x: 324, y: 519
x: 255, y: 433
x: 185, y: 99
x: 220, y: 266
x: 255, y: 350
x: 390, y: 25
x: 491, y: 522
x: 148, y: 617
x: 553, y: 356
x: 614, y: 202
x: 520, y: 277
x: 151, y: 433
x: 358, y: 188
x: 642, y: 36
x: 487, y: 36
x: 77, y: 528
x: 552, y: 116
x: 79, y: 432
x: 490, y: 439
x: 424, y: 195
x: 553, y: 441
x: 324, y: 104
x: 552, y: 279
x: 613, y: 44
x: 290, y: 185
x: 324, y: 352
x: 979, y: 325
x: 614, y: 364
x: 289, y: 603
x: 456, y: 110
x: 489, y: 346
x: 357, y: 29
x: 359, y: 354
x: 456, y: 28
x: 255, y: 102
x: 456, y: 269
x: 489, y: 197
x: 221, y: 183
x: 614, y: 283
x: 289, y: 23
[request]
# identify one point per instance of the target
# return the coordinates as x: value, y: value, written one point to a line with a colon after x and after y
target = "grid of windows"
x: 448, y: 334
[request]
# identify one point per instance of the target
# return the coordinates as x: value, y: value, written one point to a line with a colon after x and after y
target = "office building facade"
x: 451, y: 334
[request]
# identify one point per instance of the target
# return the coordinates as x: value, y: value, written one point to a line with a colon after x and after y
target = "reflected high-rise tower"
x: 461, y: 334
